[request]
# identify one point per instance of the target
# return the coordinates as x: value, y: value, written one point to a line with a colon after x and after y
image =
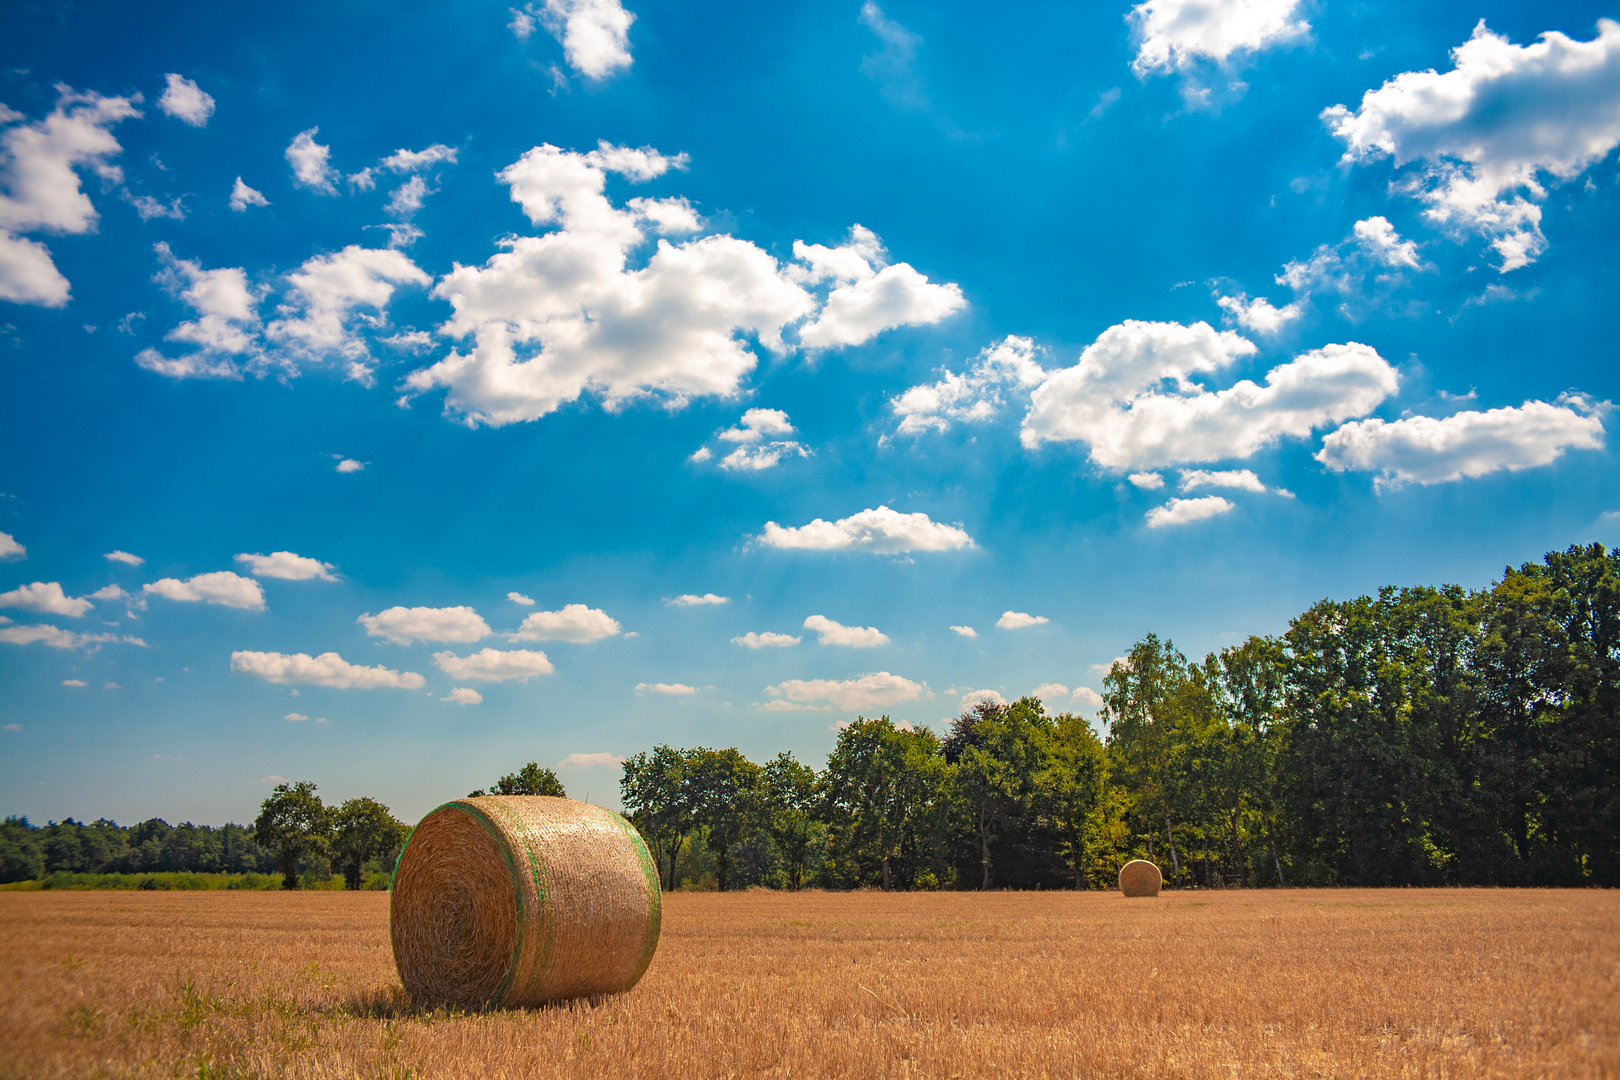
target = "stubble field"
x: 1403, y: 983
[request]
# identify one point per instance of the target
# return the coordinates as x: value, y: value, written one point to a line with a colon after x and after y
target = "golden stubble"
x: 1353, y: 983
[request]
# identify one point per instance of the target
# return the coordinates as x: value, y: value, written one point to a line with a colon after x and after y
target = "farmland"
x: 1337, y: 983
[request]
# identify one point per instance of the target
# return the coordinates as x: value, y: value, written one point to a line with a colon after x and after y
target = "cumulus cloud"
x: 326, y: 291
x: 586, y: 761
x: 494, y: 665
x: 694, y: 600
x: 675, y: 689
x: 402, y: 625
x: 10, y: 549
x: 349, y: 465
x: 311, y: 163
x: 966, y: 631
x: 328, y: 669
x: 875, y: 691
x: 979, y: 697
x: 870, y: 295
x: 1017, y: 620
x: 57, y: 638
x: 829, y: 632
x: 287, y: 567
x: 575, y: 622
x: 464, y: 695
x: 1133, y: 401
x: 123, y: 557
x: 1185, y: 35
x: 1088, y: 697
x: 1240, y: 479
x: 243, y: 196
x: 564, y: 314
x: 1374, y: 249
x: 976, y: 394
x: 47, y: 598
x: 1482, y: 134
x: 110, y: 592
x: 881, y: 531
x: 74, y: 682
x: 221, y: 587
x: 40, y: 190
x: 1186, y: 511
x: 185, y: 100
x: 519, y: 598
x: 767, y: 640
x: 594, y: 34
x: 1259, y: 315
x: 409, y: 161
x: 1050, y: 691
x: 1429, y: 450
x: 1147, y: 481
x: 759, y: 440
x: 296, y: 717
x: 226, y: 325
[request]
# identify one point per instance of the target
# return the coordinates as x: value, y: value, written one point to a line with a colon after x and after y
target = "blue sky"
x: 392, y: 396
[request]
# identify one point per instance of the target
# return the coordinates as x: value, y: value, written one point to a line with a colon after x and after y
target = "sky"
x: 391, y: 395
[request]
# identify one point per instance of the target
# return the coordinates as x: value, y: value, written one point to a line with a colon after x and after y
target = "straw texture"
x: 1140, y: 878
x: 516, y: 900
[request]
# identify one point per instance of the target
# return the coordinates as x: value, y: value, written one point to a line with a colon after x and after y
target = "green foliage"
x: 293, y: 823
x: 529, y: 780
x: 362, y: 830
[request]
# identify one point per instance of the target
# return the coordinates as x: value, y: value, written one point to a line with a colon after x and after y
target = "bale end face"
x: 517, y: 900
x: 1140, y: 878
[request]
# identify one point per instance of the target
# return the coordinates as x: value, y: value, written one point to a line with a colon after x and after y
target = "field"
x: 1210, y: 984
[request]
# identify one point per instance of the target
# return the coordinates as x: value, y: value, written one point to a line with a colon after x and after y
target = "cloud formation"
x: 185, y: 100
x: 585, y: 761
x: 881, y: 531
x: 47, y: 598
x: 10, y: 549
x: 1429, y: 450
x: 402, y: 625
x: 766, y: 640
x: 1485, y: 132
x: 323, y: 297
x: 594, y: 34
x: 221, y: 587
x: 1188, y: 36
x: 1017, y: 620
x: 494, y: 665
x: 243, y: 196
x: 829, y: 632
x: 694, y: 600
x: 1187, y: 511
x: 56, y: 638
x: 575, y: 622
x: 287, y: 566
x: 464, y: 695
x: 874, y: 691
x: 673, y: 689
x: 328, y: 669
x: 226, y: 323
x: 760, y: 441
x: 1132, y: 399
x: 311, y: 163
x: 975, y: 395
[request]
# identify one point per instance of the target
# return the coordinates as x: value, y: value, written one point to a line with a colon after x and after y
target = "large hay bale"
x: 515, y: 900
x: 1140, y: 878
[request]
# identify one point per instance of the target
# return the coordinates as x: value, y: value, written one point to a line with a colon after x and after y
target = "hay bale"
x: 516, y: 900
x: 1140, y: 878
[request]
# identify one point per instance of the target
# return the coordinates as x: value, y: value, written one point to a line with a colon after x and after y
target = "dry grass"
x: 1250, y: 984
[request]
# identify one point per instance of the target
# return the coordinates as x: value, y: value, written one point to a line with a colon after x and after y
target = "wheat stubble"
x: 1255, y: 984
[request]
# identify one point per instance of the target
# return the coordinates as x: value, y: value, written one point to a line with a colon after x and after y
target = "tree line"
x: 1421, y: 736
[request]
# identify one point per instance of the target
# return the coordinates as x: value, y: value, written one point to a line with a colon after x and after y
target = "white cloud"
x: 408, y: 161
x: 74, y: 682
x: 1088, y: 697
x: 185, y: 100
x: 364, y: 180
x: 1429, y: 450
x: 1240, y: 479
x: 296, y: 717
x: 768, y: 456
x: 881, y: 531
x: 668, y: 217
x: 975, y: 395
x: 757, y: 425
x: 966, y: 631
x: 407, y: 198
x: 694, y: 600
x: 752, y: 432
x: 227, y: 320
x: 564, y: 314
x: 464, y: 695
x: 1133, y: 401
x: 874, y: 691
x: 675, y: 689
x: 287, y: 566
x: 1179, y: 35
x: 1147, y: 481
x: 587, y: 761
x: 110, y: 592
x: 41, y: 190
x: 220, y: 587
x: 869, y: 296
x: 57, y: 638
x: 1372, y: 248
x: 832, y: 633
x: 123, y: 557
x: 494, y: 665
x: 317, y: 320
x: 1185, y: 511
x: 522, y: 24
x: 767, y: 640
x: 519, y: 598
x: 1106, y: 666
x: 1486, y: 130
x: 47, y: 598
x: 1049, y: 691
x: 349, y: 465
x: 976, y: 697
x: 1259, y: 314
x: 575, y: 622
x: 594, y: 34
x: 148, y: 207
x: 310, y: 163
x: 243, y: 196
x: 328, y: 669
x: 402, y: 625
x: 1017, y: 620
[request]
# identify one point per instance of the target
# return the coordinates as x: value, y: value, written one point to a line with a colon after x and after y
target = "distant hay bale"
x: 1140, y: 878
x: 516, y: 900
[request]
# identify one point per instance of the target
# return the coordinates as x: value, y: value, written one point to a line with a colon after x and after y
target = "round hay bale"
x: 1140, y: 878
x: 516, y: 900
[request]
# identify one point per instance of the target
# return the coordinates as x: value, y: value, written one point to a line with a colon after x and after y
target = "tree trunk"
x: 1175, y: 859
x: 289, y: 869
x: 886, y: 880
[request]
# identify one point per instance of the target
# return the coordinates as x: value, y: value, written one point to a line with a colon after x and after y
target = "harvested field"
x: 1218, y: 984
